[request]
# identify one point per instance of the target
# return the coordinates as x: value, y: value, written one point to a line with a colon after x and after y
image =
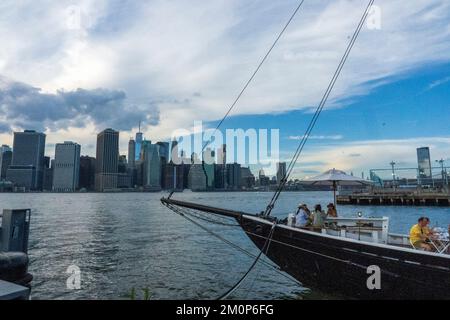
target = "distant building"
x: 281, y: 171
x: 87, y: 173
x: 5, y: 160
x: 131, y: 154
x: 27, y: 165
x: 197, y: 178
x: 48, y: 176
x: 233, y: 176
x: 248, y: 180
x: 209, y: 168
x: 138, y: 143
x: 107, y: 160
x: 220, y: 177
x: 123, y: 164
x: 164, y: 155
x: 424, y: 162
x: 66, y: 172
x: 151, y: 166
x: 174, y: 176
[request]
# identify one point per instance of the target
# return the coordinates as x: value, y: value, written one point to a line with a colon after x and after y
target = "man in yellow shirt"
x: 419, y: 233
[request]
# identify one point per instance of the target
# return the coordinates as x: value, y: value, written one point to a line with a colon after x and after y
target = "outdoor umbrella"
x: 336, y: 178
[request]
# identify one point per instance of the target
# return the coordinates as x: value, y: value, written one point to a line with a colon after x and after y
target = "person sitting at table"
x: 332, y: 212
x: 429, y: 232
x: 302, y: 218
x: 418, y: 235
x: 318, y: 216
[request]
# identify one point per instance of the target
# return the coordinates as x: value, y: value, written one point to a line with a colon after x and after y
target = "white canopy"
x: 336, y: 177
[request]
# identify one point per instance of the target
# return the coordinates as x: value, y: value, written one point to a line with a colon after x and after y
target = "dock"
x: 395, y: 199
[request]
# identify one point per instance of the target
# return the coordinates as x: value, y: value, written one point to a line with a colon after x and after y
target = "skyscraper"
x: 27, y: 167
x: 151, y: 166
x: 233, y: 176
x: 131, y: 154
x: 424, y: 162
x: 66, y: 174
x: 281, y: 171
x: 197, y: 178
x: 209, y: 168
x: 5, y: 160
x: 87, y: 173
x: 107, y: 160
x: 138, y: 143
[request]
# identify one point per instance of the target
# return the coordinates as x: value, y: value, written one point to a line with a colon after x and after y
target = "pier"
x: 395, y: 199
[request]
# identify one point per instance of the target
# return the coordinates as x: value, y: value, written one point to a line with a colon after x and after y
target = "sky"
x: 74, y: 68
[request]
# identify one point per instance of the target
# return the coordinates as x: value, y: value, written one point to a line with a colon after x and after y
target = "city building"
x: 27, y: 166
x: 48, y: 175
x: 233, y: 176
x: 197, y: 178
x: 87, y: 173
x: 221, y: 168
x: 424, y: 163
x: 107, y: 160
x: 5, y: 160
x: 209, y: 168
x: 131, y: 154
x: 151, y: 166
x: 174, y: 176
x: 138, y: 143
x: 66, y: 172
x: 248, y: 180
x: 281, y: 171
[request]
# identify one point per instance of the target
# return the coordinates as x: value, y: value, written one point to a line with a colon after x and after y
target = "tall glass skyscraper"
x: 107, y: 167
x: 151, y: 166
x: 424, y: 162
x: 66, y: 173
x: 138, y: 145
x: 27, y: 167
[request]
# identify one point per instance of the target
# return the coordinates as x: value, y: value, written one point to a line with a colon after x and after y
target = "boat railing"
x: 360, y: 228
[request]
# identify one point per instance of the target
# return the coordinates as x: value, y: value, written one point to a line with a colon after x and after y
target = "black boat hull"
x: 342, y: 267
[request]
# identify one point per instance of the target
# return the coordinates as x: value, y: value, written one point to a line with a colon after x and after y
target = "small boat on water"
x: 346, y: 256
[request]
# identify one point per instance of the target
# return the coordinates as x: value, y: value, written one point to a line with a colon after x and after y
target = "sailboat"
x: 355, y: 257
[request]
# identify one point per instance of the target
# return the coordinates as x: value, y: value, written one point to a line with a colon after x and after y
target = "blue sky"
x: 72, y: 69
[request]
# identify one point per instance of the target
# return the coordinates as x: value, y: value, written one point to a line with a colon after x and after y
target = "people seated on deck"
x: 332, y: 212
x: 419, y: 235
x: 318, y: 217
x: 302, y: 218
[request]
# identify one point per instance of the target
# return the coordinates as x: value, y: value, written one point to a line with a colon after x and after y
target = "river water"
x: 127, y: 241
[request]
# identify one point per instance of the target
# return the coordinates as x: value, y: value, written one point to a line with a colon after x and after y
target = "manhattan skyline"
x: 71, y: 76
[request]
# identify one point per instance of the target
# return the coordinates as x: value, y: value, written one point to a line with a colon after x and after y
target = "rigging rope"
x: 275, y: 268
x: 264, y: 250
x: 256, y: 71
x: 318, y: 111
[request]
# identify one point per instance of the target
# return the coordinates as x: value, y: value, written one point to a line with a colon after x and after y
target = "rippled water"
x: 129, y: 240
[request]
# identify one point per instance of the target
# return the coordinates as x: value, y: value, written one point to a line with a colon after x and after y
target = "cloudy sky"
x: 73, y: 68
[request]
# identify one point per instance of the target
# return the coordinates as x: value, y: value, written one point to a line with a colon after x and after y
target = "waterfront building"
x: 138, y: 144
x: 281, y: 171
x: 174, y: 176
x: 48, y: 176
x: 5, y: 160
x: 164, y: 153
x: 66, y: 174
x: 197, y: 178
x: 221, y: 168
x: 131, y: 154
x: 233, y: 176
x: 248, y: 180
x: 87, y: 173
x: 219, y: 179
x: 27, y: 166
x: 424, y: 163
x: 209, y: 168
x: 107, y: 160
x: 151, y: 166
